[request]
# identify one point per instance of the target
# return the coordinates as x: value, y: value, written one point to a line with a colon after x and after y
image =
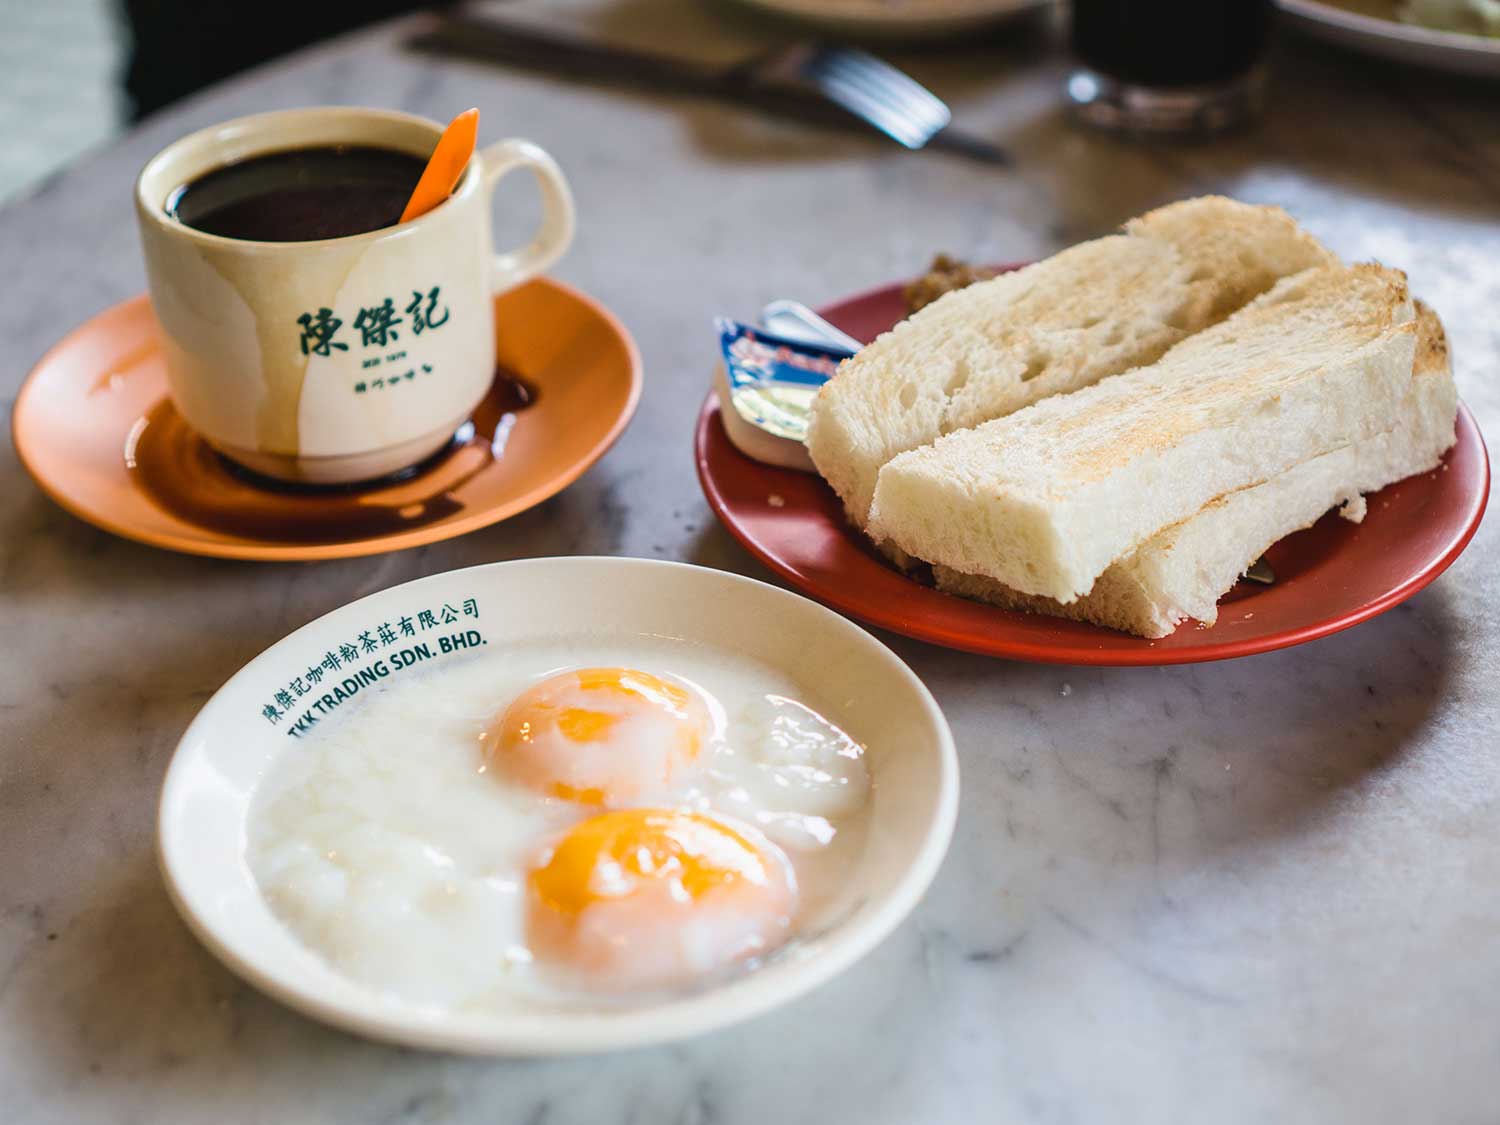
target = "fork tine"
x: 871, y: 86
x: 888, y: 74
x: 915, y: 96
x: 863, y: 85
x: 857, y: 101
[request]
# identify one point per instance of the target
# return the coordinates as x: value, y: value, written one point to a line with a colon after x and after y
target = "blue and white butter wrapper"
x: 766, y: 384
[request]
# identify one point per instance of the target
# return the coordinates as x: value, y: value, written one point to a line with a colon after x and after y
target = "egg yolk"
x: 644, y: 898
x: 602, y: 736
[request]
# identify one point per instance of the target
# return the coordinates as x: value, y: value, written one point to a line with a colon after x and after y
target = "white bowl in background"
x: 1453, y: 51
x: 210, y: 784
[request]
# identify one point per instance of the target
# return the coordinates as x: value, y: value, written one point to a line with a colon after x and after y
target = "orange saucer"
x: 95, y: 429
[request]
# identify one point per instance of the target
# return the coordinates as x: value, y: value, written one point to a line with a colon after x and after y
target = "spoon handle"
x: 444, y: 166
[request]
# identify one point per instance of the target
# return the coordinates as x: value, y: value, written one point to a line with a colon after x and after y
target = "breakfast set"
x: 581, y: 803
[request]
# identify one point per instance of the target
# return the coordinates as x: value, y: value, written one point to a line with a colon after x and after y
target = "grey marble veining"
x: 1261, y: 890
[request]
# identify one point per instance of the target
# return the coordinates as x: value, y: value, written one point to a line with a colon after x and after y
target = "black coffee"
x: 1166, y: 43
x: 300, y: 194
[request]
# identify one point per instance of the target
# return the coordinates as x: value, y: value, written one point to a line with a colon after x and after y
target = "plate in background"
x: 1388, y: 38
x: 900, y: 19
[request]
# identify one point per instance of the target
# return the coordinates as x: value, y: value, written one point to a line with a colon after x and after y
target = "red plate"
x: 1329, y: 577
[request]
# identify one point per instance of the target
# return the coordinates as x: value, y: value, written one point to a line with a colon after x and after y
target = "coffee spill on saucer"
x: 182, y: 474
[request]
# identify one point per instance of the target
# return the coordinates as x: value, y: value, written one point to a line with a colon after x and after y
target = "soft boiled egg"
x: 602, y: 736
x: 545, y: 824
x: 647, y: 898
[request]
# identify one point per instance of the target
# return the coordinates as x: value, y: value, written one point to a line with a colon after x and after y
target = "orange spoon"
x: 444, y: 166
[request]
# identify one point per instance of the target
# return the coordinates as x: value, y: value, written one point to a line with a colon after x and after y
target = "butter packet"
x: 766, y: 383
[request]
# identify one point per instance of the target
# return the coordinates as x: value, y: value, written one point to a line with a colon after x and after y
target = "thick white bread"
x: 1045, y: 499
x: 1093, y: 310
x: 1182, y: 572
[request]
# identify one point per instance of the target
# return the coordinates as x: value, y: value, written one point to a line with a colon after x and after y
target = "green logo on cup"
x: 376, y: 324
x: 318, y: 332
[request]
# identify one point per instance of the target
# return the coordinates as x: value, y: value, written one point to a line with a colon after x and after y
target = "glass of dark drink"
x: 1168, y: 67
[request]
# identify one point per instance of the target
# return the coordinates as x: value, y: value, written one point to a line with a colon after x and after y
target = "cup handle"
x: 510, y: 269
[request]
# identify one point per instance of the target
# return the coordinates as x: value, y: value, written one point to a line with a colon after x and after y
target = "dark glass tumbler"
x: 1168, y: 67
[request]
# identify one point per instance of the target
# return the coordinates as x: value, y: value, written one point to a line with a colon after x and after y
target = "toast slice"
x: 1045, y: 499
x: 1182, y: 572
x: 1094, y: 310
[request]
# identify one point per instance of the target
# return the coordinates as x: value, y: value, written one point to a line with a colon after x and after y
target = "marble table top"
x: 1263, y: 890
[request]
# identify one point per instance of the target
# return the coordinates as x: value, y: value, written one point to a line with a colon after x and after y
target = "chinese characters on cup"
x: 379, y: 326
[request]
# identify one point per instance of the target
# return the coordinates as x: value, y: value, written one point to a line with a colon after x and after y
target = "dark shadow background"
x: 177, y: 47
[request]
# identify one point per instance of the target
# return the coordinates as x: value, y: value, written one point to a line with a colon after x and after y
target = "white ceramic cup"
x: 268, y: 356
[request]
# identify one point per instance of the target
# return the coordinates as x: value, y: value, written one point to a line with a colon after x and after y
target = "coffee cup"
x: 342, y: 359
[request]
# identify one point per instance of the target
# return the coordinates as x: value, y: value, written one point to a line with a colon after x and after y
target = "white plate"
x: 910, y: 19
x: 1452, y: 51
x: 222, y: 757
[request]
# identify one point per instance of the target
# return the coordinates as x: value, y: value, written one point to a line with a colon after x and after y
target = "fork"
x: 814, y: 82
x: 868, y: 87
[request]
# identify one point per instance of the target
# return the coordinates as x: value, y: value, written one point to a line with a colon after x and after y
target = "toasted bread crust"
x: 1046, y: 498
x: 1184, y: 570
x: 1089, y: 312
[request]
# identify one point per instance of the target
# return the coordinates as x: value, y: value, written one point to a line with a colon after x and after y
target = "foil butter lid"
x: 766, y: 385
